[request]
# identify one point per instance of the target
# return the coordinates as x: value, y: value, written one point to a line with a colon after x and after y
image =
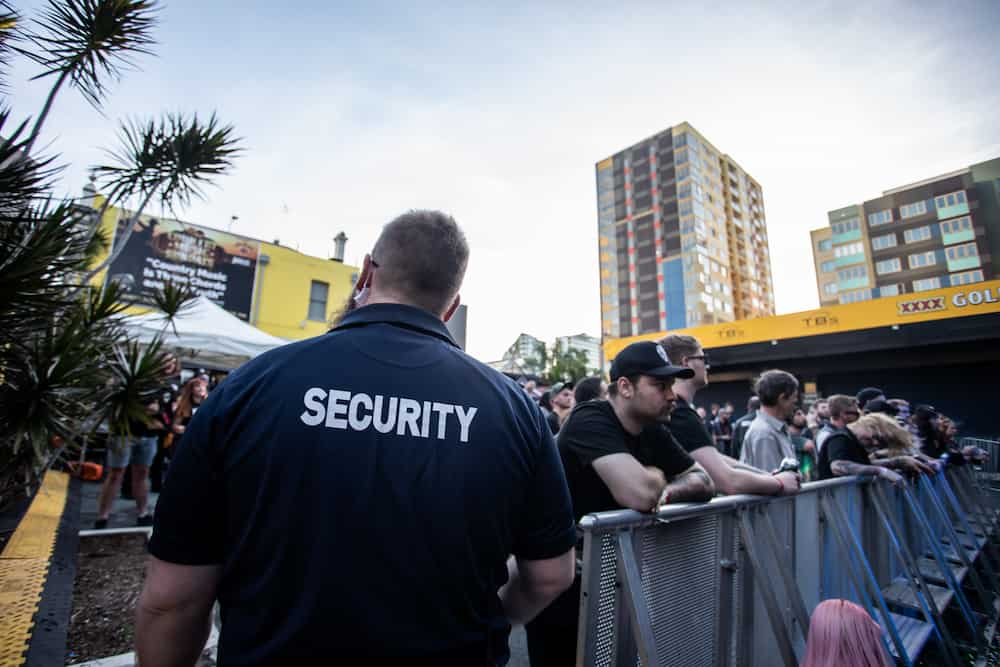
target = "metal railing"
x: 734, y: 581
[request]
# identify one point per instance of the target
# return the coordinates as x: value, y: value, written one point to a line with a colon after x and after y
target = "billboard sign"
x: 216, y: 264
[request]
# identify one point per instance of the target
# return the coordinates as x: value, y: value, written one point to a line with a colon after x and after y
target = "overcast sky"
x: 497, y: 114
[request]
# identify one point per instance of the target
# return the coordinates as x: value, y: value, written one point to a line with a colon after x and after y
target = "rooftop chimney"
x: 339, y: 242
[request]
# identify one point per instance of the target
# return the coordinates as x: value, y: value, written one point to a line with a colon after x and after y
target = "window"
x: 926, y: 284
x: 830, y: 289
x: 962, y: 224
x: 880, y: 217
x: 912, y: 210
x: 967, y: 277
x: 851, y: 225
x: 922, y: 259
x: 318, y: 292
x: 825, y: 245
x: 951, y: 199
x: 827, y: 267
x: 883, y: 242
x: 855, y: 296
x: 853, y: 273
x: 889, y: 290
x: 917, y: 234
x: 848, y: 249
x: 889, y: 266
x: 962, y: 251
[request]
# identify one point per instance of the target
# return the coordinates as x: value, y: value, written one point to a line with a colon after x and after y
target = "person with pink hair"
x: 842, y: 634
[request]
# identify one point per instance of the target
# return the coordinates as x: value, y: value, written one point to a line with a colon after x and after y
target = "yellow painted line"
x: 36, y: 534
x: 24, y: 565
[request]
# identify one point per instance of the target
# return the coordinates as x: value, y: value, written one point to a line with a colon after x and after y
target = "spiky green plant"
x: 66, y: 361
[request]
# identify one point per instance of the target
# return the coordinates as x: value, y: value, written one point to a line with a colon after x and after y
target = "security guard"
x: 354, y: 498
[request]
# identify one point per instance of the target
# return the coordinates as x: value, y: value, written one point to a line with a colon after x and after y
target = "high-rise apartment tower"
x: 683, y: 239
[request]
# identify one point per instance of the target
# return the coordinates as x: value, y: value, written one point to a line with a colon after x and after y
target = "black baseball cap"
x: 647, y: 358
x: 558, y: 387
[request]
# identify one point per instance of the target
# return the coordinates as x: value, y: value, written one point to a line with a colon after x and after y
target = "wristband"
x: 781, y: 486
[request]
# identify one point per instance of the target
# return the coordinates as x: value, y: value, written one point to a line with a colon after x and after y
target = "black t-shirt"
x: 688, y: 428
x: 841, y: 446
x: 592, y: 431
x: 362, y: 491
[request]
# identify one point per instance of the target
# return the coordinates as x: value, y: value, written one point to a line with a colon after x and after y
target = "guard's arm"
x: 174, y: 615
x: 631, y: 484
x: 533, y: 584
x: 692, y: 485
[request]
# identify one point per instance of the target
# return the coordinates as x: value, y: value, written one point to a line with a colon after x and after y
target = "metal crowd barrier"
x: 990, y: 468
x: 733, y: 581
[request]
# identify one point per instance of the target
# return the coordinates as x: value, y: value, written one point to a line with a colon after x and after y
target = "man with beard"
x: 561, y: 398
x: 728, y: 475
x: 609, y: 466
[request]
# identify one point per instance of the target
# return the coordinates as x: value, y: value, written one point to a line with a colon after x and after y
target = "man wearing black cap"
x: 609, y: 467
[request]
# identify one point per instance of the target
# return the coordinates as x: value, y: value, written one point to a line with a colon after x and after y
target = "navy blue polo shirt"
x: 362, y: 491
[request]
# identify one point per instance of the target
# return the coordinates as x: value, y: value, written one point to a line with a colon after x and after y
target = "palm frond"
x: 23, y: 179
x: 173, y: 300
x: 10, y: 20
x: 139, y: 373
x: 198, y: 153
x: 91, y: 41
x: 40, y: 249
x: 175, y: 156
x: 137, y: 161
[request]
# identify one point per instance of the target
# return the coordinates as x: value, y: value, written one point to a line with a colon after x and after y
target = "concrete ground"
x: 123, y: 512
x: 123, y: 515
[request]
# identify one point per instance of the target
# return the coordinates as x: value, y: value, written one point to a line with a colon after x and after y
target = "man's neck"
x: 685, y: 390
x: 629, y: 423
x: 560, y: 411
x: 772, y: 411
x: 837, y: 423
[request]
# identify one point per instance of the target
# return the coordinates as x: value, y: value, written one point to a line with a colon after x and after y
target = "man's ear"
x: 366, y: 274
x: 452, y: 308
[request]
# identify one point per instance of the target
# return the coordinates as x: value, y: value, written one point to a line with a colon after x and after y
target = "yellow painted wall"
x: 284, y: 285
x: 939, y: 304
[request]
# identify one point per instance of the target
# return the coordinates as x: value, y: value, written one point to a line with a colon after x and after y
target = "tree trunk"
x: 37, y: 129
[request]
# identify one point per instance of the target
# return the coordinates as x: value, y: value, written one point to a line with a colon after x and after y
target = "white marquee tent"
x: 205, y: 334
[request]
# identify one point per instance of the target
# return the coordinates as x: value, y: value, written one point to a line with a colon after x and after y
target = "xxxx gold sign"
x: 939, y: 304
x: 928, y: 305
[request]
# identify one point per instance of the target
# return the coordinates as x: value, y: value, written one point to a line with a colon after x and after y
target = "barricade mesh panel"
x: 607, y: 596
x: 680, y: 577
x: 735, y: 605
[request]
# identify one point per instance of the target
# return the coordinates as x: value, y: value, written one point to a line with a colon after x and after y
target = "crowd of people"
x: 137, y: 461
x: 441, y: 498
x: 623, y: 449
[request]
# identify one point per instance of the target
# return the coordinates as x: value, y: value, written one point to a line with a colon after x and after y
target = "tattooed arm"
x: 692, y: 485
